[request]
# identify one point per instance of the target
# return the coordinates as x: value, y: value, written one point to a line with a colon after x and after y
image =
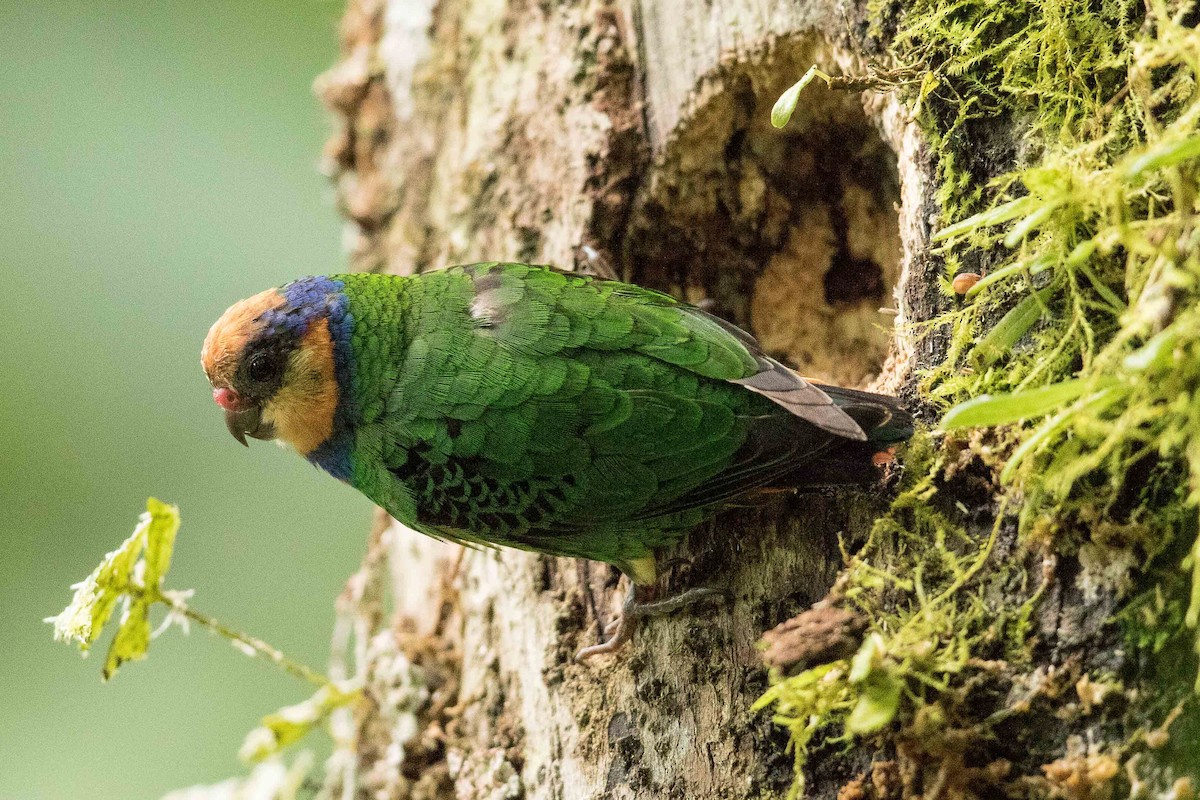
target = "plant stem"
x: 237, y: 638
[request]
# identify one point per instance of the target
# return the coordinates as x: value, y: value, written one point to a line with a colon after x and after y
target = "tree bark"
x: 633, y: 136
x: 531, y: 131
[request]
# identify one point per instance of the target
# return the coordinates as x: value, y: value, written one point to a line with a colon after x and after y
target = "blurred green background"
x: 157, y: 162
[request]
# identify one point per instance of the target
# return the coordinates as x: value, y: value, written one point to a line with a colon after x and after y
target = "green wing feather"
x: 549, y: 410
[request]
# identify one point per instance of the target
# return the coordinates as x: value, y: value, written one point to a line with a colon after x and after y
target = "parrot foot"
x: 640, y: 603
x: 670, y: 605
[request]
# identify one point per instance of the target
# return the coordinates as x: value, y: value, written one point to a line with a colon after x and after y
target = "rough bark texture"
x: 633, y: 136
x: 637, y: 132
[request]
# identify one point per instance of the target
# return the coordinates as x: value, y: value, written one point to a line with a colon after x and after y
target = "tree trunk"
x: 634, y: 136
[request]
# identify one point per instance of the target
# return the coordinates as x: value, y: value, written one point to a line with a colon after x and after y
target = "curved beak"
x: 248, y: 422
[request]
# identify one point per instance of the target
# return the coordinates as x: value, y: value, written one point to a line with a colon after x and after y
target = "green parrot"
x: 519, y: 405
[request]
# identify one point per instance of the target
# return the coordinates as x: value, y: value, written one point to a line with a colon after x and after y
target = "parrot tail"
x: 881, y: 417
x: 849, y: 463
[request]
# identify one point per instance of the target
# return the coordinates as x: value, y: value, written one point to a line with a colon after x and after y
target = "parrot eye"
x: 263, y: 366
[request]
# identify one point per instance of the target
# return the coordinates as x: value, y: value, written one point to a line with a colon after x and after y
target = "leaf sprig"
x: 130, y: 578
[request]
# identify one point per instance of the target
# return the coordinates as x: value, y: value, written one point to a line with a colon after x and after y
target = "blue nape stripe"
x: 309, y: 299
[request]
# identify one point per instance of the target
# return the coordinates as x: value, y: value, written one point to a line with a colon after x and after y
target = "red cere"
x: 228, y: 399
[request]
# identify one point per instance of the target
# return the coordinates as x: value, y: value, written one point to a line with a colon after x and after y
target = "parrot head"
x: 271, y: 362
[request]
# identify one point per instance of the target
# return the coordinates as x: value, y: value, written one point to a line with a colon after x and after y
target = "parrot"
x: 516, y: 405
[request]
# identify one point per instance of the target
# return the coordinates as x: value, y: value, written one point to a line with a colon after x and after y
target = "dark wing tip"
x: 789, y: 391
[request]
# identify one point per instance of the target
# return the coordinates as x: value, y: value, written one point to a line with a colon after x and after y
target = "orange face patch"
x: 229, y: 335
x: 302, y: 409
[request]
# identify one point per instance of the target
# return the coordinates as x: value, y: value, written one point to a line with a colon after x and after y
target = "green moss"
x: 916, y: 581
x: 1041, y: 63
x: 1084, y: 332
x: 1097, y: 244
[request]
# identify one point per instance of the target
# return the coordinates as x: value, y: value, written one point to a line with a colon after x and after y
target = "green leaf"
x: 1012, y: 326
x: 928, y: 83
x: 785, y: 106
x: 1166, y: 154
x: 1082, y: 252
x: 867, y: 659
x: 1054, y: 425
x: 1156, y: 354
x: 132, y: 573
x: 160, y: 540
x: 1026, y: 225
x: 291, y: 723
x: 879, y: 689
x: 132, y: 639
x: 877, y: 704
x: 1032, y: 267
x: 96, y: 595
x: 1001, y: 409
x: 986, y: 219
x: 1118, y: 305
x: 1192, y: 562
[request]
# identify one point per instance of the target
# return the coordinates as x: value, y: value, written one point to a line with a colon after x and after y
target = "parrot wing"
x: 529, y: 305
x: 533, y: 404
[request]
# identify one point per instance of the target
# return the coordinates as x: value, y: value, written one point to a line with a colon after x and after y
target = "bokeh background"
x: 157, y: 162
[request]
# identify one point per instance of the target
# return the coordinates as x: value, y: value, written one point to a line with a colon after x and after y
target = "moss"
x: 1083, y: 228
x: 1099, y: 240
x: 915, y: 579
x: 991, y: 66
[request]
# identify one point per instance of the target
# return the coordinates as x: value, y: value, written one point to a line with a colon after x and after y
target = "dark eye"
x: 263, y: 366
